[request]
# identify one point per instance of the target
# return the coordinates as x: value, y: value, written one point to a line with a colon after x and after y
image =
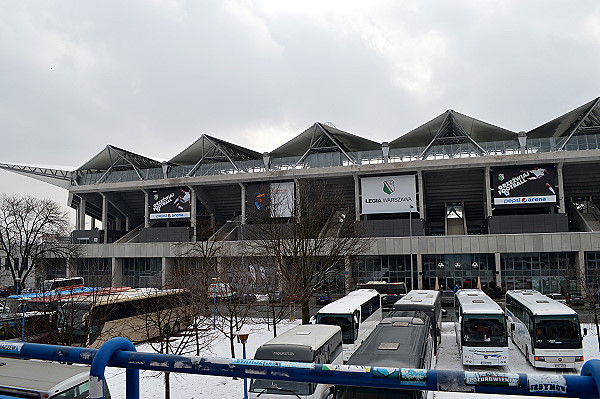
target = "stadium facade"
x: 452, y: 201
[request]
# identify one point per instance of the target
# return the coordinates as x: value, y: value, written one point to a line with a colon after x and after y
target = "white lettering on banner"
x: 9, y: 347
x: 173, y: 215
x: 525, y: 200
x: 164, y: 201
x: 388, y: 194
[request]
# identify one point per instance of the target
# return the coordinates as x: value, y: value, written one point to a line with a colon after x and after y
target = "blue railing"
x: 118, y: 352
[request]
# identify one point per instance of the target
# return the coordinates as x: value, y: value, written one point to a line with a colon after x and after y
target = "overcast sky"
x: 152, y: 76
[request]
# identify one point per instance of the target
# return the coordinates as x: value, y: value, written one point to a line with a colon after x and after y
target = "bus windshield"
x: 484, y: 330
x: 349, y: 329
x: 282, y: 387
x: 557, y: 332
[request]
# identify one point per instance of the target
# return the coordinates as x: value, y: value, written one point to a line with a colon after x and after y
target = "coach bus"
x: 310, y: 343
x: 40, y: 379
x: 358, y: 313
x: 137, y: 314
x: 480, y: 329
x: 402, y: 340
x: 546, y: 331
x: 428, y: 302
x: 390, y: 292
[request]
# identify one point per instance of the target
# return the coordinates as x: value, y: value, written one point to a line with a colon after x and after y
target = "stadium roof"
x: 112, y: 157
x: 323, y: 138
x: 208, y: 149
x: 452, y: 127
x: 582, y: 120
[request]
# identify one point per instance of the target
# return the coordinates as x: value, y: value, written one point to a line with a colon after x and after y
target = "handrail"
x: 585, y: 385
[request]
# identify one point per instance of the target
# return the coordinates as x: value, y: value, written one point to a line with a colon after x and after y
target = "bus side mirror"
x: 584, y: 331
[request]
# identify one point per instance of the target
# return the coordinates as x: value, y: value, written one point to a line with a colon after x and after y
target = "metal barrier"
x: 585, y: 385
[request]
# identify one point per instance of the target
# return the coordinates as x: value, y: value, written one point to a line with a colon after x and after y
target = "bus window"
x: 344, y: 321
x: 489, y: 331
x: 554, y: 333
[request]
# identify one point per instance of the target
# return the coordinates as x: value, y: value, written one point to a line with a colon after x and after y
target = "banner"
x: 282, y: 199
x: 388, y: 194
x: 170, y: 203
x: 524, y: 185
x: 270, y: 199
x: 257, y: 201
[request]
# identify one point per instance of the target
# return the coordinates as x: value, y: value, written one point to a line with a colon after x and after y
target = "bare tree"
x: 32, y: 229
x: 168, y: 318
x: 234, y: 308
x: 276, y: 309
x: 195, y: 269
x: 311, y: 246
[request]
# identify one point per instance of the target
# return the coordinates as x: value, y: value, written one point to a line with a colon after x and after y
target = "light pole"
x: 215, y: 303
x: 21, y: 299
x: 412, y: 272
x: 243, y: 338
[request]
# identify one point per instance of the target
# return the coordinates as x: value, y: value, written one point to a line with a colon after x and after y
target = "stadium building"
x: 454, y: 200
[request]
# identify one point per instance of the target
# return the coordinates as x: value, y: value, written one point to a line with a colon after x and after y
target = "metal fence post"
x: 99, y: 363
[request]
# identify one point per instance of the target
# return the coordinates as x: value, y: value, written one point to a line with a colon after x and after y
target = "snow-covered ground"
x: 187, y: 386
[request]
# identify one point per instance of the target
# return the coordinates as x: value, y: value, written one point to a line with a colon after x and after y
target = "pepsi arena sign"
x: 525, y: 200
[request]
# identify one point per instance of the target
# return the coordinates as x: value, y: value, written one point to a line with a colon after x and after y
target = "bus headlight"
x: 539, y: 358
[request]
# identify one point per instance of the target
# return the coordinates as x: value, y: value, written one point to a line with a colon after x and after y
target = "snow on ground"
x: 188, y: 386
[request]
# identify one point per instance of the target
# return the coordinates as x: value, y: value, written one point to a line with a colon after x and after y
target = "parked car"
x: 322, y: 298
x: 575, y: 299
x: 447, y: 298
x: 557, y: 297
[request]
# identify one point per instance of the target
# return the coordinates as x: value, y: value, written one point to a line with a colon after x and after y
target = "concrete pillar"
x: 167, y: 272
x: 298, y: 208
x: 356, y: 197
x: 421, y: 194
x: 419, y: 268
x: 92, y: 223
x: 81, y: 215
x: 105, y: 217
x: 243, y: 191
x: 498, y: 265
x: 146, y: 209
x: 118, y: 224
x: 488, y: 192
x: 194, y: 211
x: 117, y: 272
x: 348, y: 280
x: 561, y: 191
x: 127, y: 223
x: 580, y: 277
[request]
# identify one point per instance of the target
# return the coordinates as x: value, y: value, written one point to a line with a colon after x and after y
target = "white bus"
x: 480, y: 329
x: 309, y: 343
x: 137, y: 314
x: 428, y: 302
x: 358, y: 313
x: 39, y: 379
x: 546, y: 331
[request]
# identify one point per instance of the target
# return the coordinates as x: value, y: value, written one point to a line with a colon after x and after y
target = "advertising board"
x: 524, y: 185
x: 388, y: 194
x: 170, y: 203
x: 270, y: 199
